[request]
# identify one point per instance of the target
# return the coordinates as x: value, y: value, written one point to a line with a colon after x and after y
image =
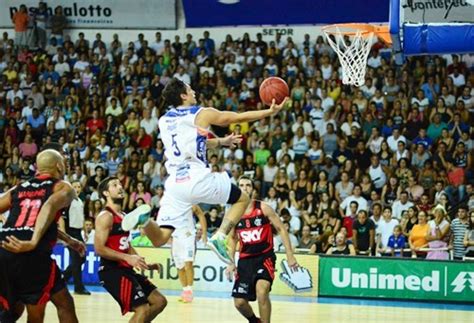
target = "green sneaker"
x: 139, y: 216
x: 219, y: 246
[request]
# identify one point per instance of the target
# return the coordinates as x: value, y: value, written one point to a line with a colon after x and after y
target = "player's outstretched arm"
x: 227, y: 141
x: 211, y: 116
x: 278, y: 225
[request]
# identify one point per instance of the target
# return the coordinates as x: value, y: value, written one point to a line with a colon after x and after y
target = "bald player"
x: 32, y: 276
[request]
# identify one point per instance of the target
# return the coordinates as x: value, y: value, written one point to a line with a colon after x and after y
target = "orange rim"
x: 365, y: 30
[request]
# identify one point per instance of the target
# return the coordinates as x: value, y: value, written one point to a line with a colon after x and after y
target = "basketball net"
x: 353, y: 56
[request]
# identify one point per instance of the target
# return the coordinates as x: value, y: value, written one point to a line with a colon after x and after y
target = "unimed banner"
x: 128, y: 14
x: 397, y: 279
x: 209, y: 271
x: 202, y: 13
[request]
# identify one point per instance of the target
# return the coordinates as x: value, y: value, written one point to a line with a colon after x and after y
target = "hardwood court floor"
x: 101, y: 308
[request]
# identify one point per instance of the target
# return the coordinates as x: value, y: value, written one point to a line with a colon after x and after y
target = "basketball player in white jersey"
x: 183, y: 251
x: 184, y: 130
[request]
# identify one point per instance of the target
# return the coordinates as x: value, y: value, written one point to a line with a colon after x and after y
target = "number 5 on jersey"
x: 176, y: 150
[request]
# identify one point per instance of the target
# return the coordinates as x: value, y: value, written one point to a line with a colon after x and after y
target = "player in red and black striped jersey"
x: 256, y: 267
x: 28, y: 275
x: 133, y: 291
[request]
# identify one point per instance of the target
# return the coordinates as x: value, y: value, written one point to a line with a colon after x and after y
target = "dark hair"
x: 54, y: 146
x: 104, y: 185
x: 245, y: 177
x: 172, y: 92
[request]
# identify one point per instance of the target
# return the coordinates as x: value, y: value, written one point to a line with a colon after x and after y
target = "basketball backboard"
x: 424, y: 27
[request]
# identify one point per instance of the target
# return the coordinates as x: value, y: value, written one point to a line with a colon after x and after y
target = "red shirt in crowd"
x: 94, y: 124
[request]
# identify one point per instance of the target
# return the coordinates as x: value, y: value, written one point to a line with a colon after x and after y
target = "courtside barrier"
x: 396, y: 278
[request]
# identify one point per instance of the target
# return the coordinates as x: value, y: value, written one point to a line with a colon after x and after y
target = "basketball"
x: 273, y: 88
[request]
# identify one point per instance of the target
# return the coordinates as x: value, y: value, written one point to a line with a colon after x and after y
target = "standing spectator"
x: 41, y: 21
x: 438, y: 235
x: 363, y: 232
x: 342, y: 247
x: 385, y: 228
x: 74, y: 223
x: 396, y: 242
x: 459, y: 227
x: 88, y: 233
x: 469, y: 236
x: 20, y: 20
x: 58, y: 23
x: 417, y: 239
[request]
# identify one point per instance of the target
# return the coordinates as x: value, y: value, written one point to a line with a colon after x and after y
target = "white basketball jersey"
x: 185, y: 143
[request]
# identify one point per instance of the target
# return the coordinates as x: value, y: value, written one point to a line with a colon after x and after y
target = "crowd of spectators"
x: 370, y: 170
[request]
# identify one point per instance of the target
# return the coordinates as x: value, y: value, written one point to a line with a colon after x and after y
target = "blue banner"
x: 205, y: 13
x: 89, y: 268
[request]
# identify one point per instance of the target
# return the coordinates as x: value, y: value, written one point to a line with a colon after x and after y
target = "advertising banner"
x: 89, y: 268
x: 437, y: 11
x: 110, y: 14
x: 398, y: 279
x: 209, y: 271
x: 205, y: 13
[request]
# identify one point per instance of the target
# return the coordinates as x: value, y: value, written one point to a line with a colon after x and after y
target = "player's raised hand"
x: 231, y: 140
x: 137, y: 262
x: 15, y: 245
x: 275, y: 108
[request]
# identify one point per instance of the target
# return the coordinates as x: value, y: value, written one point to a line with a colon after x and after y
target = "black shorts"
x: 249, y: 271
x: 30, y: 278
x: 127, y: 287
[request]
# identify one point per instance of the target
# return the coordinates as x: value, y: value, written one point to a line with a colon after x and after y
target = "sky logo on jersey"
x: 251, y: 235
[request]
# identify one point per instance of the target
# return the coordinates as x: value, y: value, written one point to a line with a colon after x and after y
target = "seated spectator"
x: 278, y: 243
x: 28, y: 148
x: 307, y: 241
x: 141, y: 240
x: 213, y: 220
x: 401, y: 205
x: 341, y: 246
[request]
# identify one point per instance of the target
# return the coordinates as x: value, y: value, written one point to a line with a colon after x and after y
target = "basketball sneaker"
x: 139, y: 216
x: 186, y: 296
x: 218, y: 244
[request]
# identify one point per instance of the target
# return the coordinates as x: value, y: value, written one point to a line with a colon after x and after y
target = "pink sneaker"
x: 186, y: 296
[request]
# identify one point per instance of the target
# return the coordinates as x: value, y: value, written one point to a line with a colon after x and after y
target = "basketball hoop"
x: 353, y: 55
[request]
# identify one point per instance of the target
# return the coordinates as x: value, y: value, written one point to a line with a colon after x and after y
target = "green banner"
x: 396, y: 278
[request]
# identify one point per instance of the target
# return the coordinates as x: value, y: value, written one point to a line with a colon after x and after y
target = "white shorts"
x: 183, y: 248
x: 180, y: 196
